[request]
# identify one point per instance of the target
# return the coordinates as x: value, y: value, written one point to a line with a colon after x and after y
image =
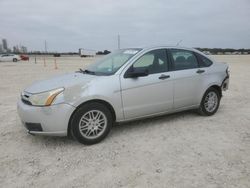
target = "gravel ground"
x: 179, y: 150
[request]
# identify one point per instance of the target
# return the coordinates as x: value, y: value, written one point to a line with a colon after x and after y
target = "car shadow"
x: 117, y: 129
x: 152, y: 121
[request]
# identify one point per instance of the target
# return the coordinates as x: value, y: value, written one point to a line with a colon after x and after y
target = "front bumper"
x: 52, y: 120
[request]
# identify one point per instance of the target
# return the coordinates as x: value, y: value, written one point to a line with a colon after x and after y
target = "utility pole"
x: 45, y: 46
x: 118, y: 40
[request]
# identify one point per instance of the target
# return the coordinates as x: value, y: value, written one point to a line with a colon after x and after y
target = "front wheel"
x: 91, y: 123
x: 210, y: 102
x: 14, y: 60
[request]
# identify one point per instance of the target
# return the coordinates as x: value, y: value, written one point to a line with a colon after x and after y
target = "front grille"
x: 34, y: 126
x: 26, y: 102
x: 25, y: 98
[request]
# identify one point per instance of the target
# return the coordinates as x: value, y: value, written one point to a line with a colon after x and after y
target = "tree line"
x: 223, y: 50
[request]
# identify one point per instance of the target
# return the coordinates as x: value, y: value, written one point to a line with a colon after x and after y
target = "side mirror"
x: 135, y: 73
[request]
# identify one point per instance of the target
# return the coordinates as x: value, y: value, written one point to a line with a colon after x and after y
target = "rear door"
x: 149, y: 94
x: 188, y: 78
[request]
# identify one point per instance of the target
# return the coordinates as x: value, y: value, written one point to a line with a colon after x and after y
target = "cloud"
x: 69, y: 25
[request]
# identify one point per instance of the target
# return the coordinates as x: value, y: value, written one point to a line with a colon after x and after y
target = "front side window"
x: 183, y: 59
x: 154, y: 61
x: 112, y: 62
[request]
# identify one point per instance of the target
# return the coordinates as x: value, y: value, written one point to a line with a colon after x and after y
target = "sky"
x: 95, y: 24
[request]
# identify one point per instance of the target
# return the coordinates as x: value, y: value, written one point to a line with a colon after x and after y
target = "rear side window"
x: 204, y: 62
x: 183, y: 59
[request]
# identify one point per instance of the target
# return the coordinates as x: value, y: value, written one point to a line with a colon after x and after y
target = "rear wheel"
x: 91, y: 123
x: 210, y: 102
x: 14, y: 60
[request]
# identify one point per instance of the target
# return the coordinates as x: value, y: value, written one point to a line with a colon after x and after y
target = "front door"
x: 151, y: 94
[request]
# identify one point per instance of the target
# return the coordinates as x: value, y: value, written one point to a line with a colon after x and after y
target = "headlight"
x: 46, y: 98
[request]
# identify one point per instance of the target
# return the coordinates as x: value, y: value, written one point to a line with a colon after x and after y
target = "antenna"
x: 179, y: 42
x: 118, y: 41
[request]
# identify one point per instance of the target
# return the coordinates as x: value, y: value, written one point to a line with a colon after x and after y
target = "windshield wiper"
x: 86, y: 71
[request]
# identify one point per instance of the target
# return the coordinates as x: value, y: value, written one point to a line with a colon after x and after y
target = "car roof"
x: 147, y: 48
x: 169, y: 47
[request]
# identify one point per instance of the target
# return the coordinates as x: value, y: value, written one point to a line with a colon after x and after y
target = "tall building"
x: 1, y: 48
x: 5, y: 44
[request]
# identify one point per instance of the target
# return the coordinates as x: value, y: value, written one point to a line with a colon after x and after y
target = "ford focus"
x: 125, y: 85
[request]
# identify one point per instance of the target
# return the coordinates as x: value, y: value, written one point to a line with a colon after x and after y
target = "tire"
x: 204, y: 108
x: 14, y: 60
x: 95, y: 121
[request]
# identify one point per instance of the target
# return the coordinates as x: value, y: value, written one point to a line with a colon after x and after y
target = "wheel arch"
x: 213, y: 85
x: 218, y: 88
x: 201, y: 107
x: 107, y: 104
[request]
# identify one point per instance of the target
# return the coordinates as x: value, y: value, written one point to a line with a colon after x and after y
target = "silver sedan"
x: 125, y: 85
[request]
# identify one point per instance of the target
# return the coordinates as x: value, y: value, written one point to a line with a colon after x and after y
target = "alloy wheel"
x: 92, y: 124
x: 211, y: 101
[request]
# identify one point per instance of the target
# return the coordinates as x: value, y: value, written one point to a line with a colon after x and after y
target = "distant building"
x: 1, y: 48
x: 20, y: 49
x: 228, y: 53
x: 236, y: 53
x: 5, y: 45
x: 23, y: 49
x: 8, y: 51
x: 16, y: 49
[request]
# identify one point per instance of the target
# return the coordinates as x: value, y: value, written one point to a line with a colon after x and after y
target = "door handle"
x: 163, y: 77
x: 199, y: 71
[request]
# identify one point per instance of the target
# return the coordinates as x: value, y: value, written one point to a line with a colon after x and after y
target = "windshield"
x: 109, y: 64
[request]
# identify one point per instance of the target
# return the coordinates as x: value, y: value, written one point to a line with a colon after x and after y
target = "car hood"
x: 65, y: 81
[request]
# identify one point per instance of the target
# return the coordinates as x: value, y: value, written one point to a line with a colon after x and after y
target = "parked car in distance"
x: 10, y: 57
x: 125, y: 85
x: 24, y: 57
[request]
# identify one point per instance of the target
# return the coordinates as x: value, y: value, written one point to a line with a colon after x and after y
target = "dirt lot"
x: 180, y: 150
